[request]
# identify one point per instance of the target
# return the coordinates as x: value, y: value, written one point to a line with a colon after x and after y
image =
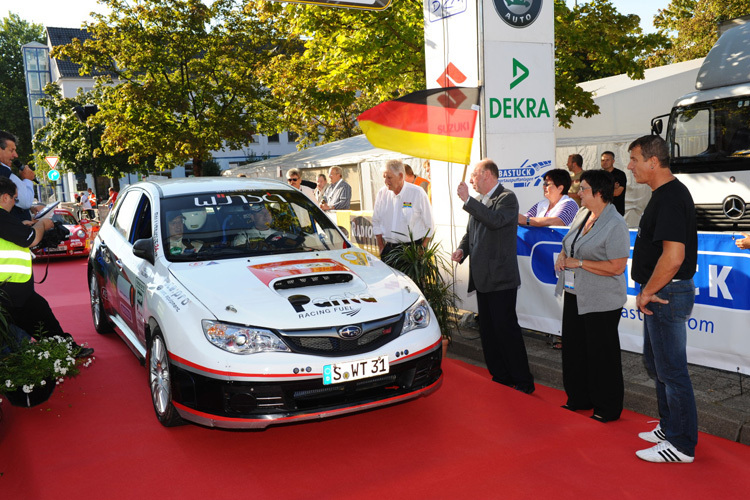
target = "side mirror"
x: 657, y: 126
x: 144, y: 249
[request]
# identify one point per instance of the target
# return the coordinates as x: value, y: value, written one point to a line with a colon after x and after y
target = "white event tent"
x: 360, y: 160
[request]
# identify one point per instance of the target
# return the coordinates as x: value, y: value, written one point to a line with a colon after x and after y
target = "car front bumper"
x: 255, y: 405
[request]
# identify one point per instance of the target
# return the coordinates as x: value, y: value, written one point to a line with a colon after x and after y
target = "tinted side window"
x: 142, y: 226
x: 126, y: 213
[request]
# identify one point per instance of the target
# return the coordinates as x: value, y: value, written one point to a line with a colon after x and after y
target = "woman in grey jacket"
x: 591, y: 271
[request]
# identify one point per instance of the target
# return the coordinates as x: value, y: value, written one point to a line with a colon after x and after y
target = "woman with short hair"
x: 557, y: 208
x: 591, y: 269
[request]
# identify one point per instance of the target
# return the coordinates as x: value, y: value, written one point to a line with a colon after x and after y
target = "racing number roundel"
x: 518, y: 13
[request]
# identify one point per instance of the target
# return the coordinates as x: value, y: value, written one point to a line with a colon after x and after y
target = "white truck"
x: 708, y: 134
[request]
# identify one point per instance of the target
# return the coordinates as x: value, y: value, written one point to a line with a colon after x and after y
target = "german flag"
x: 435, y: 124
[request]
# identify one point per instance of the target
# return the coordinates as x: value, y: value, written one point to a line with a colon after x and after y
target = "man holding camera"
x: 23, y: 180
x: 28, y: 310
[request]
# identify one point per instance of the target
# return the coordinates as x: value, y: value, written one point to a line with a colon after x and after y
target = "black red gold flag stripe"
x: 435, y: 124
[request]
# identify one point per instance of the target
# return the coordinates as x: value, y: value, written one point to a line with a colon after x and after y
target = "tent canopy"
x: 351, y: 151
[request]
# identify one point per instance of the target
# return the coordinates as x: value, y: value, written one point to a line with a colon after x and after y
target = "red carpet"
x: 97, y: 437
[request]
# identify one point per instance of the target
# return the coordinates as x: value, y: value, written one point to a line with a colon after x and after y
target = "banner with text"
x: 718, y: 335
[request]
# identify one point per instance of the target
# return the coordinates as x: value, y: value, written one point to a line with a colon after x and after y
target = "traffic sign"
x: 53, y: 175
x: 52, y: 161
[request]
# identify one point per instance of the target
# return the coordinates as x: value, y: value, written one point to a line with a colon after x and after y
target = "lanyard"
x: 580, y: 228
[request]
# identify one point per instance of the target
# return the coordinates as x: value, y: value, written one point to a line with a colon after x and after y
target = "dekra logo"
x: 518, y: 107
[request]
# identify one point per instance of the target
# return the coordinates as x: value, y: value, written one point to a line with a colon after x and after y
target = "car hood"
x: 298, y: 291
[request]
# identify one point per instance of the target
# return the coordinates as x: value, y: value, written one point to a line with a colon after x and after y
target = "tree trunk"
x: 198, y: 167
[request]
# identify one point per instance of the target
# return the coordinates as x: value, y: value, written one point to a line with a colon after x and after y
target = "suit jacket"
x: 339, y: 195
x: 490, y: 241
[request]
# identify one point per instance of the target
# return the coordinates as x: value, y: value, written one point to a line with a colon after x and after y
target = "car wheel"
x: 101, y: 323
x: 160, y: 381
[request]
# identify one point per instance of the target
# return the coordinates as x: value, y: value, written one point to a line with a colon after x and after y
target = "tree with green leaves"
x: 77, y: 144
x: 337, y: 63
x: 693, y: 27
x: 330, y: 65
x: 181, y: 78
x: 14, y: 107
x: 593, y: 40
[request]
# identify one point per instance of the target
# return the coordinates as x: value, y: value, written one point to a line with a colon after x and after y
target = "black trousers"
x: 35, y: 316
x: 502, y: 340
x: 592, y: 365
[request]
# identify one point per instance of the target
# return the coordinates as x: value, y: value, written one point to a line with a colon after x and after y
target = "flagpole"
x: 463, y: 179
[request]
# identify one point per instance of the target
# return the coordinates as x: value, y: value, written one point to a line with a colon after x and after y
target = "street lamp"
x: 83, y: 113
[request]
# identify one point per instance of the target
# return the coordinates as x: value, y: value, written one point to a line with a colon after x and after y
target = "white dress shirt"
x: 395, y: 215
x: 25, y: 190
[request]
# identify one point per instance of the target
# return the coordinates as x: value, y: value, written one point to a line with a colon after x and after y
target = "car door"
x: 126, y: 271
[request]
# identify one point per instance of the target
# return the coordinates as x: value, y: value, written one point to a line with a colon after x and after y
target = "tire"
x: 160, y: 382
x: 98, y: 315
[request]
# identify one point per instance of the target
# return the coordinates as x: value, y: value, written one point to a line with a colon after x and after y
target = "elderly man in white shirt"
x: 402, y: 211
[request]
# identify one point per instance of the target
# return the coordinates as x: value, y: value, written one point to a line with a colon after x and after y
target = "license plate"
x: 355, y: 370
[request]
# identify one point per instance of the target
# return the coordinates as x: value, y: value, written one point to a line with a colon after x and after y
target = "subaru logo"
x: 350, y: 332
x: 734, y: 207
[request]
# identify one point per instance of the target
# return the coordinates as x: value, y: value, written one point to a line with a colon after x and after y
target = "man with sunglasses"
x: 294, y: 178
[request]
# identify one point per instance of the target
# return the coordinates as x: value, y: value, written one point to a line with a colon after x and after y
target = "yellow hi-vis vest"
x: 15, y: 263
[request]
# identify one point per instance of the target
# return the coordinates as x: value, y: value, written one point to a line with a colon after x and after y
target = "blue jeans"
x: 664, y: 341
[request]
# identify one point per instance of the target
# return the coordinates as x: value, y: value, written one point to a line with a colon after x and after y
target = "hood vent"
x: 311, y: 280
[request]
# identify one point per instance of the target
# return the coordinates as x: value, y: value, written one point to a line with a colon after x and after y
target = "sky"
x: 71, y: 13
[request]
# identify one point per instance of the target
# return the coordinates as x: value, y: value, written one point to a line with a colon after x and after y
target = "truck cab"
x: 708, y: 134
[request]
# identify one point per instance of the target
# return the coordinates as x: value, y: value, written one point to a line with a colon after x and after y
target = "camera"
x: 53, y: 237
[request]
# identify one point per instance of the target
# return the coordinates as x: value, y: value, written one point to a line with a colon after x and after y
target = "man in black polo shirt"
x: 621, y: 180
x: 28, y: 309
x: 665, y: 256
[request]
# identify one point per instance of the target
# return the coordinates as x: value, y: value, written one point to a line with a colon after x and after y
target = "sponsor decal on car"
x: 348, y: 303
x: 356, y: 258
x: 274, y: 270
x: 173, y: 295
x: 220, y: 199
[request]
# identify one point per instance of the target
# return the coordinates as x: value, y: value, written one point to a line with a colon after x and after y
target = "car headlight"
x: 417, y: 316
x: 81, y: 233
x: 241, y: 339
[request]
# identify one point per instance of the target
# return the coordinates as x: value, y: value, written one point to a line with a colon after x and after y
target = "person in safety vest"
x: 28, y: 310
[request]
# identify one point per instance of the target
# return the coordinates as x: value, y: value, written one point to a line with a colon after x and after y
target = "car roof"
x: 191, y: 185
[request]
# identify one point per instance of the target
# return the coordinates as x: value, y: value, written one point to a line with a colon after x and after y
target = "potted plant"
x: 430, y: 270
x: 29, y: 368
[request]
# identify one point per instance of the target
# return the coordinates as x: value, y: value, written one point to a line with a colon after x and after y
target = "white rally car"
x: 250, y: 307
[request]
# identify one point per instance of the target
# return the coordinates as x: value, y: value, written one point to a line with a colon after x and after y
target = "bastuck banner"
x: 717, y: 328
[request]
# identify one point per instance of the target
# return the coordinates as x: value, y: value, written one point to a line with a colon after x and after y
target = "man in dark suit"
x: 490, y: 241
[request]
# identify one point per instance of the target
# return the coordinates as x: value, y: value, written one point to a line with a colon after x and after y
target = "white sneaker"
x: 664, y: 452
x: 655, y: 436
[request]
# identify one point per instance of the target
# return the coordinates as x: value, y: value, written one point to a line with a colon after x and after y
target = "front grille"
x: 311, y: 280
x: 710, y: 217
x: 326, y: 342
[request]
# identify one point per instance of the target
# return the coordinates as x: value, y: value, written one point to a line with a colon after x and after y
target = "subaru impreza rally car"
x: 250, y: 308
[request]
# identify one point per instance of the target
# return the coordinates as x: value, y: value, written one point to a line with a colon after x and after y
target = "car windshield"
x: 244, y: 224
x: 65, y: 218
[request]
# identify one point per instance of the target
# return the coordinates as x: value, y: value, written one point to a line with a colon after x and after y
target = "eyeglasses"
x: 547, y: 184
x: 293, y: 179
x: 584, y: 188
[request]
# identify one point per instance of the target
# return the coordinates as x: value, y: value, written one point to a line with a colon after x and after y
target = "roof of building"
x: 64, y: 36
